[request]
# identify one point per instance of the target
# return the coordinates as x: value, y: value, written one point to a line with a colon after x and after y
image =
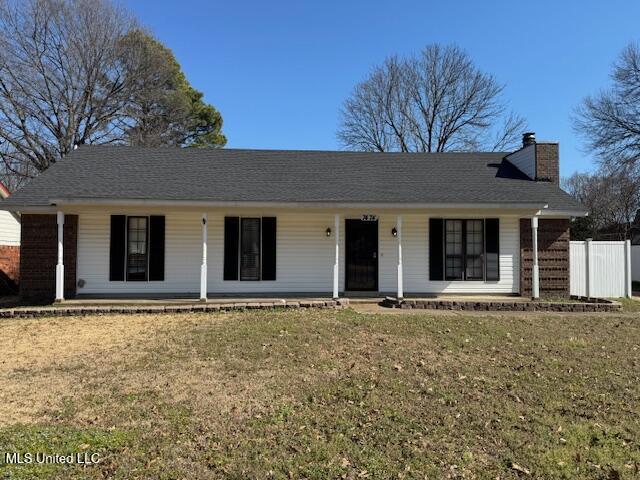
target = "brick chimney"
x: 539, y: 160
x: 547, y: 162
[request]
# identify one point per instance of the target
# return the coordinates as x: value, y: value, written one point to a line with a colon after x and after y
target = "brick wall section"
x: 548, y: 162
x: 10, y: 262
x: 9, y: 268
x: 39, y: 244
x: 553, y: 257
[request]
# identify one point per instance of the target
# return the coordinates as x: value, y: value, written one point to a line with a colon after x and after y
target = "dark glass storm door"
x: 361, y: 255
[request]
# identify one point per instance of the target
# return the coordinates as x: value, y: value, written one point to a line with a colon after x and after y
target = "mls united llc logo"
x: 28, y: 458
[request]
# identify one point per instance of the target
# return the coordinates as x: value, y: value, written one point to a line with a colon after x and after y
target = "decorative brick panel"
x: 548, y: 162
x: 39, y: 243
x: 553, y: 257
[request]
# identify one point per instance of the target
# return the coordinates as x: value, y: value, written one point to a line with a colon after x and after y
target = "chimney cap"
x: 528, y: 138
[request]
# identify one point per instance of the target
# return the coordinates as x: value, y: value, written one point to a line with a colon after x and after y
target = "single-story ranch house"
x: 110, y: 221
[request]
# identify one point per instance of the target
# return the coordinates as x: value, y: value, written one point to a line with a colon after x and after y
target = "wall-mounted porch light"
x: 328, y: 232
x: 394, y: 231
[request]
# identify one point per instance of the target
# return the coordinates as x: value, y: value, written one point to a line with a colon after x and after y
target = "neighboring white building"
x: 9, y: 247
x: 9, y: 223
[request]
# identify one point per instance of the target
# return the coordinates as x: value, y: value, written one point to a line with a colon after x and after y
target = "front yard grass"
x: 324, y: 394
x: 629, y: 304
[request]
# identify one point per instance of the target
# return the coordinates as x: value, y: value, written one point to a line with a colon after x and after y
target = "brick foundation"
x: 40, y: 253
x: 553, y: 257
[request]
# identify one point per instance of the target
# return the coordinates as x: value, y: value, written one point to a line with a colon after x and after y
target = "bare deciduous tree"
x: 62, y: 82
x: 436, y: 102
x: 76, y: 72
x: 612, y: 199
x: 610, y: 120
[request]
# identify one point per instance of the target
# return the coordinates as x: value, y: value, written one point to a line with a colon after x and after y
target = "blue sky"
x: 279, y: 70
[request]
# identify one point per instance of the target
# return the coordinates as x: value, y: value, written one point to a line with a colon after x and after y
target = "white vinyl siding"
x: 305, y: 255
x: 509, y: 266
x: 9, y: 229
x: 415, y: 256
x: 183, y: 255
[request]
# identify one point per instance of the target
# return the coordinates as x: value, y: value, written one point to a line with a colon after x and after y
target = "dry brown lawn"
x: 324, y: 394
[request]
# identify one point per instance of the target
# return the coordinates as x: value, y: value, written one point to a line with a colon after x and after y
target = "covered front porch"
x: 315, y: 253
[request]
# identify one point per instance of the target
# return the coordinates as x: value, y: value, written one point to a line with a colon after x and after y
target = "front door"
x: 361, y: 255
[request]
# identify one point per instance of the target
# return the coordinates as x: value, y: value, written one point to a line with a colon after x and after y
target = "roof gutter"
x: 320, y: 204
x: 564, y: 213
x: 541, y: 208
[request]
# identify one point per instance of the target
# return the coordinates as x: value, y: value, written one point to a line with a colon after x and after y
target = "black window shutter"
x: 436, y: 249
x: 268, y: 248
x: 492, y: 248
x: 117, y: 248
x: 231, y: 237
x: 156, y: 247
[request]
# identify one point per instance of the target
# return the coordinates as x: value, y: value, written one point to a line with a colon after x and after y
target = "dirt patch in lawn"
x: 45, y: 360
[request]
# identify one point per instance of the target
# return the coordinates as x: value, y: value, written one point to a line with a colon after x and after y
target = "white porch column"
x: 203, y: 267
x: 535, y: 290
x: 627, y: 269
x: 400, y: 283
x: 588, y: 268
x: 60, y: 264
x: 336, y: 266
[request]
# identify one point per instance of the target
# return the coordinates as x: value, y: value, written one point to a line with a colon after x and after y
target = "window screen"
x: 464, y: 250
x: 250, y: 249
x: 453, y: 249
x: 137, y: 257
x: 474, y: 250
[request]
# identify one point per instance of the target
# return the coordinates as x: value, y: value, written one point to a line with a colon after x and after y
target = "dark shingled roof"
x: 230, y: 175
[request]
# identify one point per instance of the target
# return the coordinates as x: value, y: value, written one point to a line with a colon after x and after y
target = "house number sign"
x: 369, y: 218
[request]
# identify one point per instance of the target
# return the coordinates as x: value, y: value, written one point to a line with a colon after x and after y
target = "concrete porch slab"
x: 191, y: 301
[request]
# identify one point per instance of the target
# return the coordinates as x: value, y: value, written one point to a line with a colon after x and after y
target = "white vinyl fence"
x: 635, y: 263
x: 600, y: 269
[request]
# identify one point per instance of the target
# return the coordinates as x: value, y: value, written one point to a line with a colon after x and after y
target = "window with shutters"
x: 137, y: 248
x: 137, y: 251
x: 465, y: 250
x: 250, y: 249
